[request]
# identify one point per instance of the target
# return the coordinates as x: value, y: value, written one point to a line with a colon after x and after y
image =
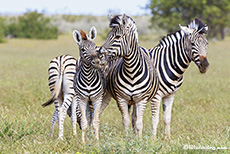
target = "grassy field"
x: 200, y: 116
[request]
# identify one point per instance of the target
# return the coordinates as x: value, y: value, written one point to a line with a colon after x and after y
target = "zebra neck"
x: 171, y: 54
x: 87, y: 69
x: 177, y: 52
x: 132, y: 61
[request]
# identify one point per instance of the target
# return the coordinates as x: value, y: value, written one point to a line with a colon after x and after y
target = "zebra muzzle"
x: 102, y: 50
x: 204, y: 64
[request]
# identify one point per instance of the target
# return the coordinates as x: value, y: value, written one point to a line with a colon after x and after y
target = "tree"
x: 168, y: 14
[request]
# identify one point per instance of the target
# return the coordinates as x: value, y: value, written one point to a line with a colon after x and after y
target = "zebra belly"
x: 89, y: 92
x: 131, y: 94
x: 166, y: 90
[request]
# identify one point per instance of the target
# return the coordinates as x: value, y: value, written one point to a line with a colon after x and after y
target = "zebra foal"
x: 61, y: 75
x: 89, y: 81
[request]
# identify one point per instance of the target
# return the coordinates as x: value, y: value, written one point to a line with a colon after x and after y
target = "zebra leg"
x: 155, y: 107
x: 123, y: 107
x: 73, y: 116
x: 84, y: 122
x: 105, y: 102
x: 140, y: 108
x: 78, y: 113
x: 167, y: 108
x: 54, y: 120
x: 62, y: 113
x: 96, y: 116
x: 55, y: 115
x: 134, y: 119
x: 89, y: 116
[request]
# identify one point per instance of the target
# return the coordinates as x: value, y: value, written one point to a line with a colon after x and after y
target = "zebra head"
x: 87, y: 48
x: 121, y: 37
x: 197, y: 42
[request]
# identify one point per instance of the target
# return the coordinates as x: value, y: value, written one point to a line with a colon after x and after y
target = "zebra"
x: 61, y: 75
x: 89, y: 81
x: 171, y: 57
x: 132, y: 79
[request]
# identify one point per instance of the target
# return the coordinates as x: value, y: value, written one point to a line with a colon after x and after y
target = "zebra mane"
x: 195, y: 24
x: 198, y: 25
x: 83, y: 35
x: 115, y: 21
x: 162, y: 41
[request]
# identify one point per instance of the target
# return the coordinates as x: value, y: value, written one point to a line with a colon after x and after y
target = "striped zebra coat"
x: 171, y: 57
x: 61, y: 75
x: 89, y: 81
x: 132, y: 79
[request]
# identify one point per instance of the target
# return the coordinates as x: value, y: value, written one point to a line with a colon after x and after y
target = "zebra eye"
x: 101, y: 56
x: 117, y: 36
x: 82, y: 49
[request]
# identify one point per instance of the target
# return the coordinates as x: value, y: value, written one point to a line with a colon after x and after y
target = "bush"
x: 33, y: 25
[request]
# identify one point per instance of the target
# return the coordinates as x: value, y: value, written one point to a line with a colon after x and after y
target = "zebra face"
x: 195, y: 32
x: 199, y: 52
x: 102, y: 59
x: 88, y: 54
x: 120, y: 38
x: 87, y: 48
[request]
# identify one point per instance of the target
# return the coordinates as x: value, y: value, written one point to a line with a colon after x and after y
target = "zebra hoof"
x: 60, y: 138
x: 50, y: 135
x: 154, y: 136
x: 75, y: 135
x: 167, y: 137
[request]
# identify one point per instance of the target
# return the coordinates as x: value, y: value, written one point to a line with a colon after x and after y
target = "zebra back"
x: 61, y: 74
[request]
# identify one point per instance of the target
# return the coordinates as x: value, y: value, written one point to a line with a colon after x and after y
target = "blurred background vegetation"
x: 165, y: 15
x: 168, y: 14
x: 32, y: 25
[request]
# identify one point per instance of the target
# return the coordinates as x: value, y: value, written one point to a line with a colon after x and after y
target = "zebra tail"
x: 50, y: 101
x: 56, y: 92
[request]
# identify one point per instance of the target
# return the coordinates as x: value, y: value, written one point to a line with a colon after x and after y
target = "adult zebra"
x: 132, y: 79
x: 171, y: 57
x: 89, y: 81
x: 61, y: 74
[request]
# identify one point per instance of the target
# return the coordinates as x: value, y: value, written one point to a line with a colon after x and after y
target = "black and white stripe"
x: 171, y: 57
x: 61, y: 75
x: 132, y: 79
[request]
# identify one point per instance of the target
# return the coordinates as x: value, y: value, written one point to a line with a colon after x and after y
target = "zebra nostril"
x: 204, y: 64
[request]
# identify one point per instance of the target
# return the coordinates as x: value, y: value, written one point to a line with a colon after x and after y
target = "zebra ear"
x: 109, y: 17
x: 204, y: 29
x: 92, y: 33
x: 124, y: 19
x: 186, y: 30
x: 77, y: 37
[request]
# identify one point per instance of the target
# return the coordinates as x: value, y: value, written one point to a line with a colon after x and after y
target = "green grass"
x: 200, y: 115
